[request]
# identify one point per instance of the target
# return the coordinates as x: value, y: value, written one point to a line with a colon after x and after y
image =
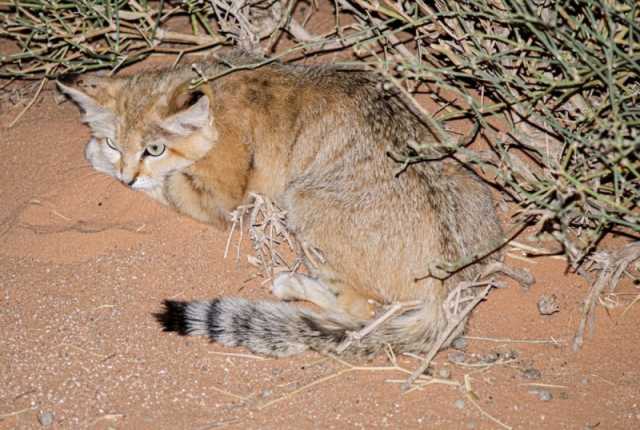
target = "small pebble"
x: 532, y: 373
x: 491, y: 357
x: 544, y: 395
x: 444, y: 373
x: 548, y: 305
x: 266, y: 393
x: 456, y: 357
x: 510, y: 355
x: 459, y: 404
x: 459, y: 343
x: 45, y: 419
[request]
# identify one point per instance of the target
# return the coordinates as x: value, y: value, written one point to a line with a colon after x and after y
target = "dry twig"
x: 267, y: 232
x: 611, y: 266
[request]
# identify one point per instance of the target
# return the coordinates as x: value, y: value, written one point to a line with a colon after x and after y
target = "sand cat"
x: 315, y: 140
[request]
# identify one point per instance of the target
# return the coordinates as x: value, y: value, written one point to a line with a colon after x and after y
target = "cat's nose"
x: 130, y: 179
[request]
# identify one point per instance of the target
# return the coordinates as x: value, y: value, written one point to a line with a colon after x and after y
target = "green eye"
x: 110, y: 144
x: 155, y: 149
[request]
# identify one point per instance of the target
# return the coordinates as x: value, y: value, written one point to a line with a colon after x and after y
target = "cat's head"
x: 143, y: 127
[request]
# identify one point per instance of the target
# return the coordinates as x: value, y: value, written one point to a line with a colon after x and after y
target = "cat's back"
x: 324, y: 134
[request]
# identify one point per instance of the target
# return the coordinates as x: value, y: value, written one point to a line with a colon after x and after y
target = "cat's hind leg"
x: 336, y: 297
x: 297, y: 286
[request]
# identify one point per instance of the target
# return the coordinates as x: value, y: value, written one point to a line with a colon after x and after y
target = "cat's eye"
x: 110, y: 144
x: 154, y: 150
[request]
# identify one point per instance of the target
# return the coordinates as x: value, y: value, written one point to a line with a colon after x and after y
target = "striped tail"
x: 281, y: 329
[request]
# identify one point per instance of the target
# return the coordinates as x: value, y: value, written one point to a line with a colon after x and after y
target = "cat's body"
x: 314, y: 139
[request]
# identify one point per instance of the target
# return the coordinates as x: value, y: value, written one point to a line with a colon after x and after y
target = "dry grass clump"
x: 267, y: 227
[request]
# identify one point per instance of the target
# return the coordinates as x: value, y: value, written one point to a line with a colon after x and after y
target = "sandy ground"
x: 85, y: 262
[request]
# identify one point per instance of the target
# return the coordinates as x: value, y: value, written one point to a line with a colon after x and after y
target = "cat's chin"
x: 155, y: 193
x: 145, y: 183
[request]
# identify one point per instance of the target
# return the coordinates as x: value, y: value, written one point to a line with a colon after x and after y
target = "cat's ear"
x: 191, y: 112
x: 88, y: 93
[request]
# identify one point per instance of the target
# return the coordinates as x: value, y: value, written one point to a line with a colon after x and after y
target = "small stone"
x: 544, y: 395
x: 548, y: 305
x: 459, y: 343
x: 509, y: 355
x: 456, y: 357
x: 491, y: 357
x: 45, y: 419
x: 459, y: 404
x: 531, y: 373
x: 444, y: 373
x: 266, y: 393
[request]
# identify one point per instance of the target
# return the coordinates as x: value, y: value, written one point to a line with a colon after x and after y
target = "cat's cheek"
x: 101, y: 160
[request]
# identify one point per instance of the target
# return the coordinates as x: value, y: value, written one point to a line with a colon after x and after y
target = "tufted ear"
x: 86, y: 93
x: 191, y: 112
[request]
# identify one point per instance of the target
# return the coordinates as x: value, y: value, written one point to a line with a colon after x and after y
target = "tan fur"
x: 314, y: 139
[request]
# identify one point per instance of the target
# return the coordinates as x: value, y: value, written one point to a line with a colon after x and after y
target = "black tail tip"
x: 173, y: 317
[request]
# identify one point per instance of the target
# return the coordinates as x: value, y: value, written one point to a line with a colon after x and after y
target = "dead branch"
x: 452, y: 325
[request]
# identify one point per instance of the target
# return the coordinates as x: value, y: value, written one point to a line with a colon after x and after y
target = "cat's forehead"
x: 141, y: 96
x: 141, y: 101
